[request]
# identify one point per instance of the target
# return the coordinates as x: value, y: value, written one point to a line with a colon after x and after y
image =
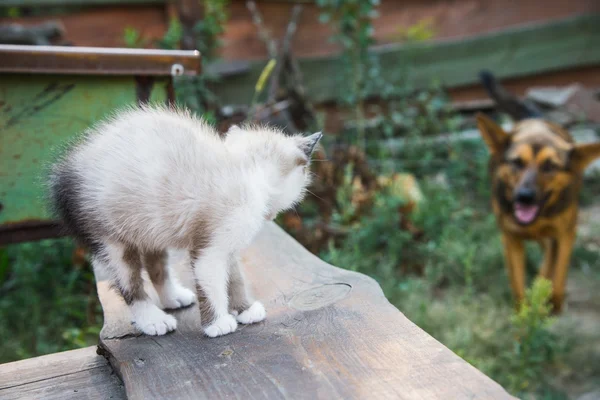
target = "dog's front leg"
x: 514, y: 257
x: 549, y: 247
x: 563, y: 258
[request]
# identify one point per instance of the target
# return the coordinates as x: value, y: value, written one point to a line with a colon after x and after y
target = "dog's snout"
x: 525, y: 195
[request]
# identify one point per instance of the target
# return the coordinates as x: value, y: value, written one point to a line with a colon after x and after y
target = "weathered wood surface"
x: 76, y: 374
x: 329, y: 334
x: 66, y: 60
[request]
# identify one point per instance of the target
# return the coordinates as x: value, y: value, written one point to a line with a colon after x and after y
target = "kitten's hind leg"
x: 211, y: 269
x: 125, y: 263
x: 171, y: 293
x: 241, y: 304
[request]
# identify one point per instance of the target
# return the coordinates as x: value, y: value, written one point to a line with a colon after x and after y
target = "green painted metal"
x: 510, y: 53
x: 39, y: 114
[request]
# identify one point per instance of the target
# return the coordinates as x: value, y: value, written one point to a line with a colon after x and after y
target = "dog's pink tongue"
x: 525, y: 213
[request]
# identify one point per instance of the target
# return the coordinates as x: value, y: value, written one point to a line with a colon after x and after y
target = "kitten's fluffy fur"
x: 151, y: 179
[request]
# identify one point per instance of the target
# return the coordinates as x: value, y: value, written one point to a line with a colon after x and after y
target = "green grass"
x: 46, y: 304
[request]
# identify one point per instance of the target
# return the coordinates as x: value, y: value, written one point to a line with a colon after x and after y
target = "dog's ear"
x: 492, y: 133
x: 583, y: 155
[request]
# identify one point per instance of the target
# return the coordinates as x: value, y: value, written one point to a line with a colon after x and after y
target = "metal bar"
x: 98, y: 61
x: 143, y: 89
x: 30, y: 231
x: 171, y: 99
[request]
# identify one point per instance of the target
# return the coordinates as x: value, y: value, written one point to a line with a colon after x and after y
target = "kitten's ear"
x: 308, y: 144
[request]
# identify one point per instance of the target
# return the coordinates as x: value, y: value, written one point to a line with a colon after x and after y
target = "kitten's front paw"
x: 151, y: 320
x: 222, y: 326
x: 255, y: 313
x: 177, y: 297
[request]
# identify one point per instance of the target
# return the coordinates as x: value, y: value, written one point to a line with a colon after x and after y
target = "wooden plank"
x: 517, y: 52
x: 98, y: 61
x: 444, y: 19
x: 329, y: 334
x: 83, y: 24
x: 75, y: 374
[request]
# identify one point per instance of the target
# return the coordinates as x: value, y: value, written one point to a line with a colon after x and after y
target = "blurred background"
x: 401, y: 191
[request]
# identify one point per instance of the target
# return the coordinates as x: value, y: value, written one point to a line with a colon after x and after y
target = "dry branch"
x: 263, y: 32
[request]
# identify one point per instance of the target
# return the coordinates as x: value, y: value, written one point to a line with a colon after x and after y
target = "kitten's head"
x: 287, y: 156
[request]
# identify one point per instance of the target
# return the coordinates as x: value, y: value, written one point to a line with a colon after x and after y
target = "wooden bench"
x: 329, y: 334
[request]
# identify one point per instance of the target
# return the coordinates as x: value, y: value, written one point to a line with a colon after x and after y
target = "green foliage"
x: 260, y: 84
x: 195, y: 92
x: 354, y: 30
x: 209, y: 29
x: 133, y: 38
x: 534, y: 344
x: 10, y: 12
x: 46, y: 304
x: 420, y: 113
x: 421, y: 31
x: 366, y: 249
x: 172, y: 37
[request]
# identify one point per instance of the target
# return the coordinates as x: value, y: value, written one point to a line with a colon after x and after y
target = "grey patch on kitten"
x: 134, y: 291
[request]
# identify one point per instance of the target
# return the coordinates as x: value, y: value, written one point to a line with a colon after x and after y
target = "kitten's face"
x: 295, y: 155
x: 289, y: 154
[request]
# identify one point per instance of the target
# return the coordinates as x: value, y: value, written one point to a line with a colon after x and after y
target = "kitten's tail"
x: 64, y: 195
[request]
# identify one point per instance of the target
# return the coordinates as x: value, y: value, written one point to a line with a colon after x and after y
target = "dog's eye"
x: 517, y: 163
x: 548, y: 166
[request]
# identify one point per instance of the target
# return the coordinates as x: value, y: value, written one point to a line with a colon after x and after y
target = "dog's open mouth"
x: 526, y: 213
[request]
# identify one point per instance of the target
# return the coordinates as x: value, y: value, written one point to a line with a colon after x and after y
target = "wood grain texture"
x: 329, y: 333
x: 76, y: 374
x: 97, y: 61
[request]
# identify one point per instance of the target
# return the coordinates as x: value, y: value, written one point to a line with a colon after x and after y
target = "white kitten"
x: 150, y: 179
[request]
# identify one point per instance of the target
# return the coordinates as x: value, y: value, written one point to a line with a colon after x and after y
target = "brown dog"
x: 537, y: 173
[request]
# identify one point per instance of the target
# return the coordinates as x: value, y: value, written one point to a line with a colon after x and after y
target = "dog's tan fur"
x: 544, y: 156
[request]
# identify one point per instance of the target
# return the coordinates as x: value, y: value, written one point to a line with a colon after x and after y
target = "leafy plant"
x: 534, y: 343
x: 173, y: 35
x: 195, y: 92
x: 170, y: 40
x: 133, y: 38
x: 10, y: 12
x: 260, y: 84
x: 421, y: 31
x: 40, y: 281
x: 354, y: 33
x: 211, y: 27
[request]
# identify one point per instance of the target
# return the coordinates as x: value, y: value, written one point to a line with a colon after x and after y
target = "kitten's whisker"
x: 315, y: 175
x: 320, y: 198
